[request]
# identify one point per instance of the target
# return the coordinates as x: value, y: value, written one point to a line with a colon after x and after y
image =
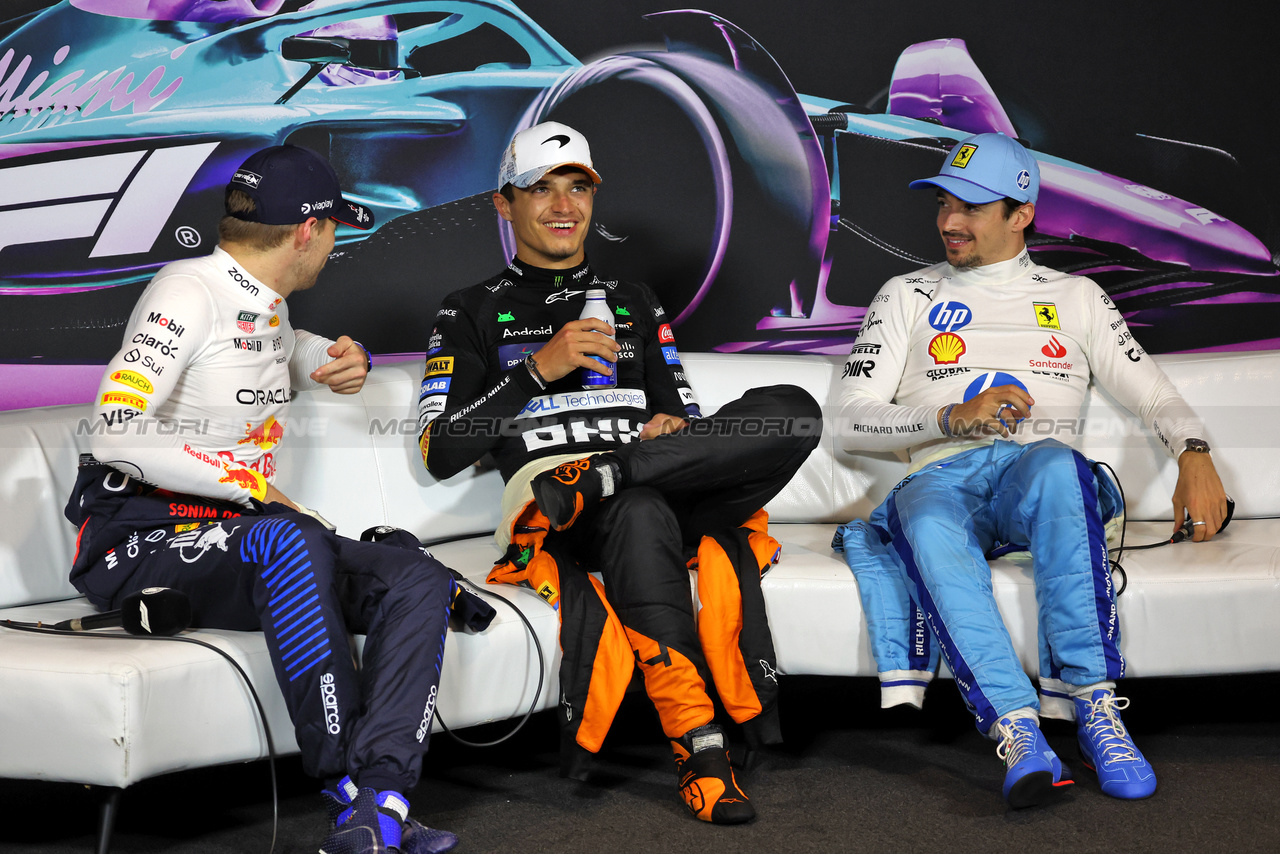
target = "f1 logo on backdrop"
x: 124, y: 198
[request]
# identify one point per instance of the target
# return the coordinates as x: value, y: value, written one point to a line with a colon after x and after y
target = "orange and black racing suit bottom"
x: 690, y: 499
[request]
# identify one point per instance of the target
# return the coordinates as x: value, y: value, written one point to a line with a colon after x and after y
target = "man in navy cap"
x: 179, y: 493
x: 972, y: 365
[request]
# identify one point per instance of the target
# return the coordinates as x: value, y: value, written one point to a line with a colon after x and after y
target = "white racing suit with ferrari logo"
x: 941, y: 336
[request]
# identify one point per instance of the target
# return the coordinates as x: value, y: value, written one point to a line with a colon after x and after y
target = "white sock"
x: 1016, y: 714
x: 1085, y: 692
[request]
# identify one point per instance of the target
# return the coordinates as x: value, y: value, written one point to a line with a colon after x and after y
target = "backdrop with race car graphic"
x: 755, y: 161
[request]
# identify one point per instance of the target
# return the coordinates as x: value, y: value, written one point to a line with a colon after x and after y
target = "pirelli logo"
x: 131, y: 400
x: 439, y: 366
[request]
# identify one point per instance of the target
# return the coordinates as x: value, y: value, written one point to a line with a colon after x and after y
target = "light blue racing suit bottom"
x: 924, y: 556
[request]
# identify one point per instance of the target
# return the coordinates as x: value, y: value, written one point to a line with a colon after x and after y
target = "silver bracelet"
x: 533, y: 372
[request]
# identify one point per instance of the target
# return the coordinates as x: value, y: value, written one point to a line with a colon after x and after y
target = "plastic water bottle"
x: 599, y: 309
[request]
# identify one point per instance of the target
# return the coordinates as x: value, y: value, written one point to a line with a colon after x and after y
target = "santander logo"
x: 1054, y: 349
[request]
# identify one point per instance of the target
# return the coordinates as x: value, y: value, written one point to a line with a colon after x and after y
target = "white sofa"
x: 111, y: 713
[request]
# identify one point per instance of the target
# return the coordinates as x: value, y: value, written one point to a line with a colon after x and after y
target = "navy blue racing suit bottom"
x: 305, y: 588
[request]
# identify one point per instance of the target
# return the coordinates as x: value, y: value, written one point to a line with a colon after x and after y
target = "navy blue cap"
x: 988, y: 167
x: 289, y: 183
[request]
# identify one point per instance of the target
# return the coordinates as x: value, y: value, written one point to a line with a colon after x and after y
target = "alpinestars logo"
x: 124, y: 198
x: 562, y: 296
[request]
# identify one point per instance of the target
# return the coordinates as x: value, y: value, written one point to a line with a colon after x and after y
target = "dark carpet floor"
x: 850, y: 778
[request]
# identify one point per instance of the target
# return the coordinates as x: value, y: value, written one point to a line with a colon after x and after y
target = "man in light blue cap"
x: 979, y: 172
x: 948, y: 365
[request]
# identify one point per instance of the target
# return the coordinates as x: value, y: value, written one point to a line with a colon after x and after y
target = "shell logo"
x: 946, y: 348
x: 274, y: 321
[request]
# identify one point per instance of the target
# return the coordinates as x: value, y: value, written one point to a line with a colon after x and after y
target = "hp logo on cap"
x: 1024, y: 179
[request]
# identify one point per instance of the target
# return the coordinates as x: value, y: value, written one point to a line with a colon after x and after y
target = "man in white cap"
x: 502, y: 377
x: 967, y: 364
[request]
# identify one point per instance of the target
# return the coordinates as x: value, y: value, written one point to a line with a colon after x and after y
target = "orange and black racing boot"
x: 565, y: 491
x: 706, y: 779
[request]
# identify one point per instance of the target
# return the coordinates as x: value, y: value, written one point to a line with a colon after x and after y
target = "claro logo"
x: 329, y: 697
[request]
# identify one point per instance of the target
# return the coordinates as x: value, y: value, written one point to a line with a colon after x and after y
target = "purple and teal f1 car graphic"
x: 778, y: 215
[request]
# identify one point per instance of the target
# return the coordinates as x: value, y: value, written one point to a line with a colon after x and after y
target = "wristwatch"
x: 1200, y: 446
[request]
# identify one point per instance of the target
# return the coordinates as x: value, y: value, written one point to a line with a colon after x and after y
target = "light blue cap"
x: 988, y: 167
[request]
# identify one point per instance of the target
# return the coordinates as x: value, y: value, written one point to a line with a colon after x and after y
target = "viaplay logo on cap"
x: 244, y: 176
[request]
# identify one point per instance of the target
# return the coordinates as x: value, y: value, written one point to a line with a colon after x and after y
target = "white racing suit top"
x: 196, y: 399
x: 940, y: 336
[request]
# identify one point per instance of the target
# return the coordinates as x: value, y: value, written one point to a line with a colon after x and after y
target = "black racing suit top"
x: 477, y: 397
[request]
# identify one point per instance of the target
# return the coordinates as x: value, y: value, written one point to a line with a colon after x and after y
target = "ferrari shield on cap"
x: 289, y: 184
x: 535, y: 151
x: 985, y: 168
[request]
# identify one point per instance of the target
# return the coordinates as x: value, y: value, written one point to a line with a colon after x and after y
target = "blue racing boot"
x: 414, y: 837
x: 1035, y: 774
x: 1107, y: 748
